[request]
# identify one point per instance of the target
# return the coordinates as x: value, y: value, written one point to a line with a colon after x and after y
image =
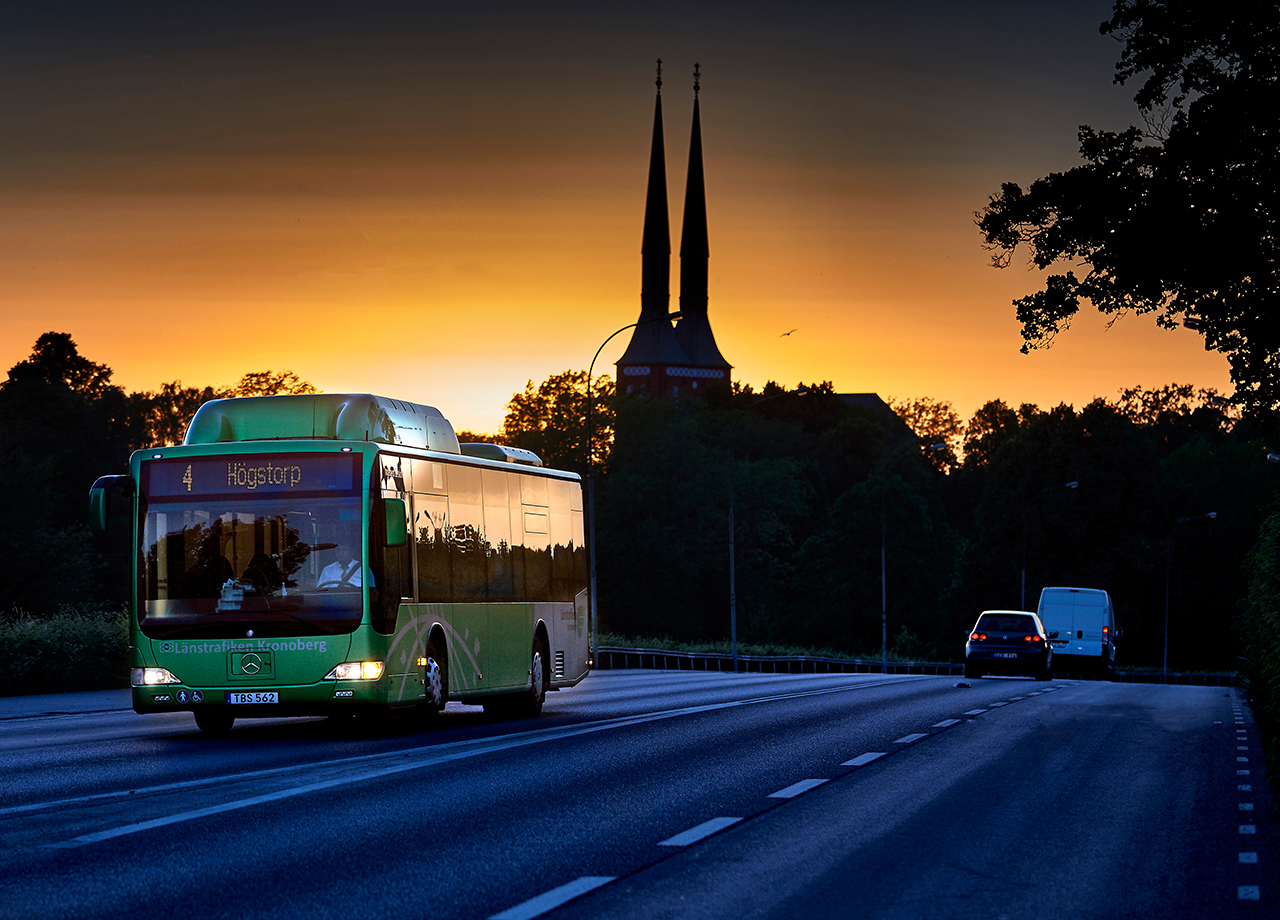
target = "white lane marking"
x: 1242, y: 773
x: 1248, y: 828
x: 536, y: 907
x: 1242, y: 760
x: 1248, y: 893
x: 1246, y: 806
x: 1248, y: 857
x: 907, y: 739
x: 1000, y: 703
x: 1242, y: 747
x: 1014, y: 699
x: 432, y: 755
x: 694, y: 834
x: 863, y: 759
x: 974, y: 712
x: 796, y: 788
x: 1244, y: 787
x: 946, y: 723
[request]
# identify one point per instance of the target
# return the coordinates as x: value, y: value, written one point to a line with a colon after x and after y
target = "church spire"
x: 693, y: 332
x: 655, y: 248
x: 653, y: 345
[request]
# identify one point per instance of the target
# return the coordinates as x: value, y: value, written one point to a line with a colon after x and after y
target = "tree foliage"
x: 63, y: 423
x: 1179, y: 218
x: 551, y: 419
x: 934, y: 422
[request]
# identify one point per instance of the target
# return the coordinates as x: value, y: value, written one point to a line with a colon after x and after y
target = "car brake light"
x: 977, y: 636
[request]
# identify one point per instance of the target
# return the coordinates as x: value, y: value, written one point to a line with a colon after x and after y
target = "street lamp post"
x: 1168, y: 560
x: 884, y: 587
x: 733, y: 582
x: 591, y: 480
x: 1022, y: 598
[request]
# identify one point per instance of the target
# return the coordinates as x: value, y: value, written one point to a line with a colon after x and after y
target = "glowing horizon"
x: 438, y: 227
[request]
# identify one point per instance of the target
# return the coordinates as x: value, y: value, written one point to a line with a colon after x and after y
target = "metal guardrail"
x: 613, y: 658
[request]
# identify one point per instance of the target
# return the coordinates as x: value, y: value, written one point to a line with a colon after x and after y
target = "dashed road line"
x: 796, y: 788
x: 907, y: 739
x: 694, y: 834
x: 974, y: 712
x: 1249, y: 857
x: 1248, y: 828
x: 863, y: 759
x: 1248, y: 893
x: 946, y: 723
x: 550, y: 900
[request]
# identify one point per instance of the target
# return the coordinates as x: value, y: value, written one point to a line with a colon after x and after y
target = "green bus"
x: 335, y: 554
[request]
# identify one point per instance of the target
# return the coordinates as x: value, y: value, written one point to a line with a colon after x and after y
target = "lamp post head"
x: 801, y: 391
x: 1072, y: 485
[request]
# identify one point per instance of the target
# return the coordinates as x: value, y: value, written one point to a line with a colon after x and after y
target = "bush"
x: 78, y: 648
x: 1259, y: 635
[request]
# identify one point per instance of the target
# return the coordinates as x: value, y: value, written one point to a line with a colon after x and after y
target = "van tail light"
x: 1106, y: 629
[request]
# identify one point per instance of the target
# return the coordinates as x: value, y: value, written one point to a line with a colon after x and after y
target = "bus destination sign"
x: 274, y: 475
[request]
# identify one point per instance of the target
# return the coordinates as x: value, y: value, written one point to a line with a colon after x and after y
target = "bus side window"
x: 562, y: 581
x: 497, y: 529
x: 537, y: 538
x: 467, y: 544
x: 430, y: 526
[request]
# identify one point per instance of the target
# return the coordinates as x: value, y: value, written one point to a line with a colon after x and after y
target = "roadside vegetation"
x: 77, y: 647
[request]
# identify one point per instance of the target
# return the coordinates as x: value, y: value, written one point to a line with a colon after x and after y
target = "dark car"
x: 1009, y: 642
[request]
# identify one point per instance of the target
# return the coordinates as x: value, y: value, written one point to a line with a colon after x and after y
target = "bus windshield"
x: 235, y: 561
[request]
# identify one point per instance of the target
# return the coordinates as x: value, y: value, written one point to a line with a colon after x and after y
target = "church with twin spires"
x: 663, y: 359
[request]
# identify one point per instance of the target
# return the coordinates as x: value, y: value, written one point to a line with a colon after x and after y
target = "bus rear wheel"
x: 537, y: 695
x: 527, y: 704
x: 214, y: 722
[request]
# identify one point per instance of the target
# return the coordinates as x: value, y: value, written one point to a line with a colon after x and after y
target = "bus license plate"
x: 1005, y: 655
x: 265, y: 696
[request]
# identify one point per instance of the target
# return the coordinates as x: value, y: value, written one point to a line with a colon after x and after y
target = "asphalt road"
x: 654, y: 794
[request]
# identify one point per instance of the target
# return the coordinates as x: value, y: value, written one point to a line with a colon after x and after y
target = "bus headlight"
x: 149, y: 677
x: 356, y: 670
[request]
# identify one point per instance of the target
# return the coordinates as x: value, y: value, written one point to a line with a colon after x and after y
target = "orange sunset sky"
x: 439, y: 202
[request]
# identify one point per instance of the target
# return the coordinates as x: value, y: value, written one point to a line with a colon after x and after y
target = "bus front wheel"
x: 214, y: 721
x: 435, y: 679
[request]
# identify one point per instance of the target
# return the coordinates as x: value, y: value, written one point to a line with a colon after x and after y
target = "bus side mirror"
x: 104, y: 497
x: 397, y: 521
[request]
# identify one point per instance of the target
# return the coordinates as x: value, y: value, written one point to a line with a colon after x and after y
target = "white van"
x: 1085, y: 621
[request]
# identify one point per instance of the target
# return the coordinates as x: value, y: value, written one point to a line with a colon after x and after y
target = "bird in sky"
x: 785, y: 334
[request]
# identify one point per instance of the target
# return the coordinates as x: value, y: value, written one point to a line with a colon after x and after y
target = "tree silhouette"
x: 1177, y: 219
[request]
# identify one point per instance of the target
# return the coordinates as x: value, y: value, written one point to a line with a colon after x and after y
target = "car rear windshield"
x: 1006, y: 622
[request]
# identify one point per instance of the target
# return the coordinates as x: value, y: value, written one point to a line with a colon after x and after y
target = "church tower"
x: 693, y: 331
x: 653, y: 347
x: 659, y: 359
